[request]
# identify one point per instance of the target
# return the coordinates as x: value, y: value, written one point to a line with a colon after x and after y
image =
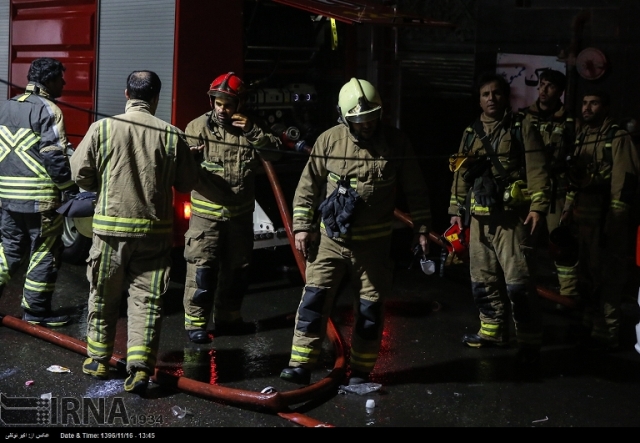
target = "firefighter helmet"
x: 227, y: 85
x: 563, y: 246
x: 359, y: 102
x: 458, y: 241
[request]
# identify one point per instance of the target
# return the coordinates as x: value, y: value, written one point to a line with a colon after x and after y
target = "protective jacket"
x: 33, y: 165
x: 555, y: 128
x: 227, y: 172
x: 604, y: 173
x: 521, y: 160
x: 114, y: 160
x: 603, y: 184
x: 374, y: 170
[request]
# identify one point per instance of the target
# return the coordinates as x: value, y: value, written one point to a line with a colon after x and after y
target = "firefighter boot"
x: 300, y: 376
x: 95, y: 369
x: 137, y: 382
x: 476, y: 341
x: 46, y: 319
x: 199, y: 336
x: 358, y: 377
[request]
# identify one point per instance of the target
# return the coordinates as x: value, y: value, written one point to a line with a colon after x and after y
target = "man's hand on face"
x: 242, y: 121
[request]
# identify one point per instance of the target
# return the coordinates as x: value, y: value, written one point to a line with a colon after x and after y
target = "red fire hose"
x: 276, y: 402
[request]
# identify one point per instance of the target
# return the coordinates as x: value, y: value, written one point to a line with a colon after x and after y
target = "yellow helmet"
x: 359, y: 102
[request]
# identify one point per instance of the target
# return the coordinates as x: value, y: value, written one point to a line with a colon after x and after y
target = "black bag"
x: 80, y: 205
x: 337, y: 210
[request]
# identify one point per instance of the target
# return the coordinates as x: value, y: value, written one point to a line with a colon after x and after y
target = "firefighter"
x: 603, y: 178
x: 34, y: 176
x: 556, y: 127
x: 219, y: 241
x: 132, y: 161
x: 360, y: 162
x: 502, y: 191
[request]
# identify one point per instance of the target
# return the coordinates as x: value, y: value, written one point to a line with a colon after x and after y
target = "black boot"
x: 199, y: 336
x: 358, y: 377
x: 300, y: 376
x: 48, y: 319
x: 476, y: 341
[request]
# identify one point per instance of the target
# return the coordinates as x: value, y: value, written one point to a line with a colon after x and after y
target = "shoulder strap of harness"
x: 607, y: 156
x: 611, y: 134
x: 469, y: 135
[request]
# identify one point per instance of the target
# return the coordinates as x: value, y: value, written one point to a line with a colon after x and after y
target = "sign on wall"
x: 522, y: 71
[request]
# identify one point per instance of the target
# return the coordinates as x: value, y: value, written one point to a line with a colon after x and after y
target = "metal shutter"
x: 133, y: 35
x: 4, y: 48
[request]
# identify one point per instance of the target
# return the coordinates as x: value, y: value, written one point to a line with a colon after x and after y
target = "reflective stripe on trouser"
x: 504, y: 253
x: 368, y: 270
x: 41, y: 232
x: 567, y: 272
x: 603, y: 271
x: 218, y: 254
x: 568, y: 279
x: 143, y: 265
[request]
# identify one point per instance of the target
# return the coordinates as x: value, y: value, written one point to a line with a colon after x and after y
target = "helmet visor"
x: 361, y: 116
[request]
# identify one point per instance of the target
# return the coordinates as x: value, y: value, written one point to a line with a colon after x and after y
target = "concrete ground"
x: 428, y: 377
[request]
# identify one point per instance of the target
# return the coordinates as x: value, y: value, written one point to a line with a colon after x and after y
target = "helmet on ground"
x: 458, y: 240
x: 359, y: 102
x: 563, y: 246
x: 227, y: 85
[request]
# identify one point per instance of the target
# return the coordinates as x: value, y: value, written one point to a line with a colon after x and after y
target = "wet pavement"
x: 428, y: 377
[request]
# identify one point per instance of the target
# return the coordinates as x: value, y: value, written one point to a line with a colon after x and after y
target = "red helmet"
x: 458, y: 241
x: 227, y: 85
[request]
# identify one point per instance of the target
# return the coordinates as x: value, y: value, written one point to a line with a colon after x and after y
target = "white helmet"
x: 359, y: 102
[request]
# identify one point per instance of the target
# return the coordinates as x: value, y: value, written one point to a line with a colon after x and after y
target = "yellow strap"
x: 334, y: 35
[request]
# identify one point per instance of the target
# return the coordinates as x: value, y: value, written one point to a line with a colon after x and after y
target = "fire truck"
x: 295, y: 55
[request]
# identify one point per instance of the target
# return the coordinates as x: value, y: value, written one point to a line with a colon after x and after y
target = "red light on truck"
x: 186, y: 210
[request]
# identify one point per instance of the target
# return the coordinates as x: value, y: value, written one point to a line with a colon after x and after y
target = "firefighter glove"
x: 485, y: 190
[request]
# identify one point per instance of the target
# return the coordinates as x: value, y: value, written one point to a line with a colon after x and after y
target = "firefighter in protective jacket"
x: 504, y: 201
x: 603, y: 177
x: 132, y: 161
x: 34, y: 174
x: 349, y: 186
x: 219, y: 242
x: 556, y: 127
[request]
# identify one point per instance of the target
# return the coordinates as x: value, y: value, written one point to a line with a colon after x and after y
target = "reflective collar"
x: 38, y: 89
x: 136, y: 104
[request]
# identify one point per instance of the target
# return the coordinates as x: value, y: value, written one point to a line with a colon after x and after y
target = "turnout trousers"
x: 367, y: 268
x: 500, y: 262
x: 39, y: 233
x: 567, y: 272
x: 141, y: 266
x: 218, y: 254
x: 603, y: 245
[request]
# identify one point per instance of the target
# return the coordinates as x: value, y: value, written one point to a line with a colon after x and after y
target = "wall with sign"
x: 522, y: 71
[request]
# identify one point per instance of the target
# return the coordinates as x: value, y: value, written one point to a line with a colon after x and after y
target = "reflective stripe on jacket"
x: 33, y: 165
x: 616, y: 172
x: 374, y: 170
x: 132, y: 161
x: 535, y: 165
x: 227, y: 172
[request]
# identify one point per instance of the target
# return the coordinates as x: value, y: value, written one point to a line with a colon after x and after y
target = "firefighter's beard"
x: 222, y: 118
x: 364, y: 134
